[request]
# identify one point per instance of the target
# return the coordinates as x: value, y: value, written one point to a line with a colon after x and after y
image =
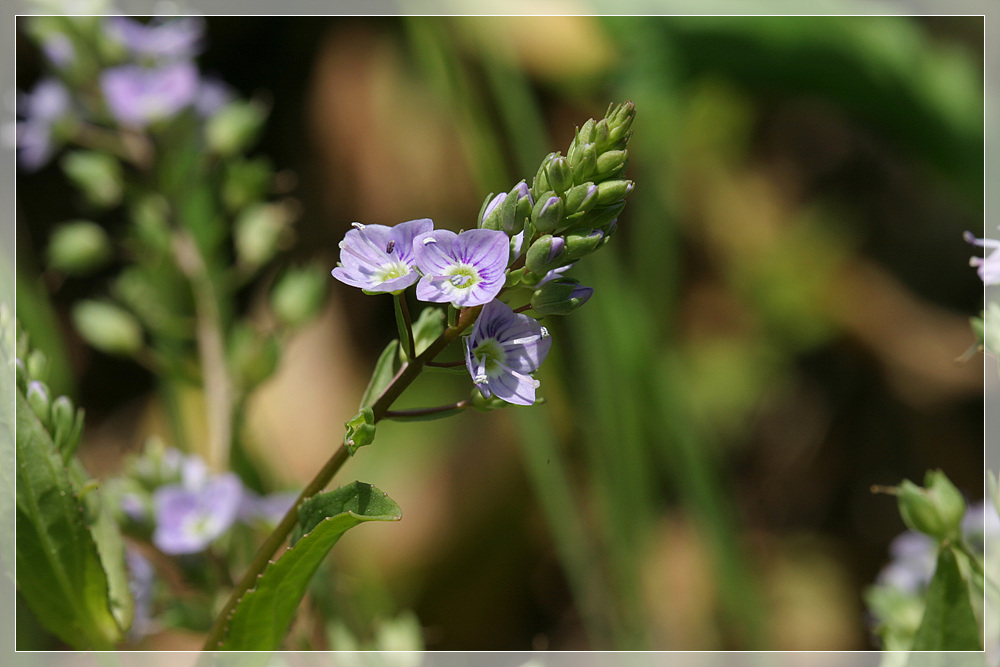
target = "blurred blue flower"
x: 58, y: 48
x: 502, y: 350
x: 190, y: 515
x: 40, y: 109
x: 212, y: 95
x: 467, y: 269
x: 269, y: 509
x: 141, y: 577
x: 138, y: 96
x: 378, y: 258
x: 175, y: 39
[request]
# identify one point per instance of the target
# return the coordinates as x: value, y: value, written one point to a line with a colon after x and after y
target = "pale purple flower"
x: 988, y: 267
x: 41, y: 109
x: 134, y: 507
x: 58, y: 48
x: 269, y: 509
x: 190, y: 515
x: 913, y: 557
x: 555, y: 273
x: 175, y: 39
x: 212, y: 95
x: 141, y: 577
x: 138, y: 96
x: 378, y: 258
x: 502, y: 351
x: 467, y: 269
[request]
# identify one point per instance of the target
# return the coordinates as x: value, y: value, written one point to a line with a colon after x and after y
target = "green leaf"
x: 428, y: 327
x: 949, y: 623
x: 386, y: 367
x: 59, y: 569
x: 360, y: 430
x: 262, y: 617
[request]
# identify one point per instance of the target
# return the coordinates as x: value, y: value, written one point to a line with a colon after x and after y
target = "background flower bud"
x: 260, y: 231
x: 234, y: 127
x: 37, y: 365
x: 560, y: 296
x: 610, y: 192
x: 38, y: 399
x: 559, y: 174
x: 584, y: 164
x: 936, y: 508
x: 579, y: 246
x: 611, y: 163
x: 581, y: 198
x: 108, y: 327
x: 78, y: 247
x: 298, y: 296
x: 98, y: 175
x: 246, y: 181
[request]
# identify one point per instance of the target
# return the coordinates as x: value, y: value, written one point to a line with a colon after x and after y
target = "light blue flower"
x: 467, y: 269
x: 41, y: 110
x: 378, y: 258
x: 138, y: 96
x: 190, y: 515
x: 503, y: 350
x: 175, y: 39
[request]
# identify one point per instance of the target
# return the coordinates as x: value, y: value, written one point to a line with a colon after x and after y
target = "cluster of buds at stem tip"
x: 58, y: 416
x: 577, y: 198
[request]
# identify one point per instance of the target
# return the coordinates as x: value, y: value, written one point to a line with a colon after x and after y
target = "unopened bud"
x: 936, y: 508
x: 585, y: 163
x: 610, y: 192
x: 489, y: 217
x: 586, y: 134
x: 581, y: 198
x: 37, y: 365
x: 611, y: 163
x: 98, y: 175
x: 38, y: 399
x: 298, y: 296
x: 619, y: 123
x: 560, y: 296
x: 559, y: 174
x: 246, y: 182
x: 547, y: 214
x: 234, y: 127
x: 545, y: 254
x: 508, y: 211
x: 360, y: 431
x: 78, y: 247
x: 579, y: 246
x: 259, y: 232
x: 108, y: 327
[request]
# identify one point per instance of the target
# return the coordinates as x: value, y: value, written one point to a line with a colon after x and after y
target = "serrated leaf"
x: 59, y: 571
x: 385, y: 369
x: 949, y: 623
x: 262, y: 617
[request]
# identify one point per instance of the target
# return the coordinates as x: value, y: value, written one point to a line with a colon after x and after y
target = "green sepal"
x: 948, y: 624
x: 360, y: 430
x: 386, y: 367
x: 261, y: 619
x: 514, y: 277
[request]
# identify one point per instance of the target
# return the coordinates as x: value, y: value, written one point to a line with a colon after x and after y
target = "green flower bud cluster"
x: 60, y: 418
x: 578, y: 197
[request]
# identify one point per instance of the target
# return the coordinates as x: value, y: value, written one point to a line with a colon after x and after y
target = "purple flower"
x: 467, y: 269
x: 138, y: 96
x: 190, y: 515
x: 58, y: 48
x: 988, y: 267
x: 379, y: 259
x: 212, y: 95
x: 41, y: 109
x: 141, y: 577
x: 913, y: 557
x: 502, y: 350
x: 176, y: 39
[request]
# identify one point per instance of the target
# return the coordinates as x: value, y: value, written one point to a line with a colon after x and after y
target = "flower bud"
x: 98, y: 175
x: 547, y: 214
x: 579, y: 246
x: 559, y: 174
x: 620, y: 123
x: 585, y: 164
x: 108, y: 327
x: 20, y: 374
x: 601, y: 134
x: 489, y: 218
x: 610, y: 192
x: 560, y: 296
x: 298, y: 296
x: 259, y: 232
x: 38, y: 399
x: 65, y: 420
x: 508, y: 211
x: 540, y: 185
x: 78, y: 247
x: 252, y: 357
x: 246, y: 181
x: 581, y: 198
x: 545, y: 254
x: 586, y: 133
x: 936, y: 509
x: 611, y: 163
x: 360, y: 430
x: 234, y: 127
x: 37, y: 365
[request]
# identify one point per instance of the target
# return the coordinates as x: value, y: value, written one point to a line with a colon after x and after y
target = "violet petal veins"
x: 467, y: 269
x: 502, y: 351
x: 378, y: 258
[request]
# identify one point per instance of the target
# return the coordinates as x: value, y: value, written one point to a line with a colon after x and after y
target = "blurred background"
x: 777, y: 326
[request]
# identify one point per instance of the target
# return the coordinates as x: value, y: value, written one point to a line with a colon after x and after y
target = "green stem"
x: 262, y: 558
x: 404, y: 326
x: 414, y: 414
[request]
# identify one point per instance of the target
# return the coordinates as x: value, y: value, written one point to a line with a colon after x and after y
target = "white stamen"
x: 481, y: 379
x: 544, y: 333
x: 357, y: 225
x: 429, y: 240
